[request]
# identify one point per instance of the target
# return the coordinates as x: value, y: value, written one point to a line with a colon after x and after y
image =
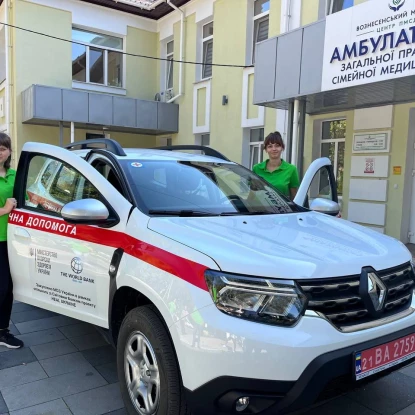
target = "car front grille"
x: 339, y: 301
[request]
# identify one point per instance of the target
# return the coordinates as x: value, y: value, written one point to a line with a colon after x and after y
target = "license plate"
x: 376, y: 359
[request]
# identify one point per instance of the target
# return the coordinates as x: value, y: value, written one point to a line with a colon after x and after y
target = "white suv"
x: 221, y: 295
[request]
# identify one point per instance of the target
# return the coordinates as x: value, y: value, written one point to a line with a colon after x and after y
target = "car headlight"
x: 263, y: 300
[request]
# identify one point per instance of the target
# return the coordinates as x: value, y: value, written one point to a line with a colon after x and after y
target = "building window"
x: 97, y: 58
x: 261, y: 23
x: 93, y: 136
x: 335, y: 6
x: 169, y: 64
x: 256, y: 146
x: 207, y: 45
x: 332, y: 146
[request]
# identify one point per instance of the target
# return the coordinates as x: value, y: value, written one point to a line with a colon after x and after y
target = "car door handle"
x: 22, y: 233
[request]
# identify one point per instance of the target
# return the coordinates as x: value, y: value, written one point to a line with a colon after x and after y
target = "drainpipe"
x: 295, y: 132
x: 72, y: 132
x: 181, y: 50
x: 6, y: 31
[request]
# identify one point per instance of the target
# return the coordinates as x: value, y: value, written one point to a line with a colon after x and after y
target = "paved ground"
x: 66, y: 367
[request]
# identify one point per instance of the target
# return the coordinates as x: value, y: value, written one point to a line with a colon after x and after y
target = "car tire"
x: 148, y: 367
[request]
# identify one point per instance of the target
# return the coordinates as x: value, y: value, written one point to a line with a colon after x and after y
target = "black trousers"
x: 6, y: 287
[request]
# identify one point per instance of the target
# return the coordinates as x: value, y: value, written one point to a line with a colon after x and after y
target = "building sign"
x: 369, y: 165
x: 371, y: 42
x: 397, y: 170
x: 371, y: 142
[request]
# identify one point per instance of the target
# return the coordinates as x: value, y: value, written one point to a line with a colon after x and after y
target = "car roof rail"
x: 207, y: 150
x: 109, y: 144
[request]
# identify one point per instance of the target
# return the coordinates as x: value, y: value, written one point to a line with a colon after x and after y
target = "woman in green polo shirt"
x: 276, y: 171
x: 7, y: 203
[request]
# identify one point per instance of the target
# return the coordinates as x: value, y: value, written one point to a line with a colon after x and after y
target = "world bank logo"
x: 396, y: 5
x: 76, y: 265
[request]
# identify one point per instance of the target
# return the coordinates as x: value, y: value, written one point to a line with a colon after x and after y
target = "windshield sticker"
x: 136, y: 164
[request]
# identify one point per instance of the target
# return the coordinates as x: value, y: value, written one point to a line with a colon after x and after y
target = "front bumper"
x: 268, y: 397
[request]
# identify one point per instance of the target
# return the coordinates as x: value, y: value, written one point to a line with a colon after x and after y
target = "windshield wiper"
x: 246, y: 213
x: 182, y: 213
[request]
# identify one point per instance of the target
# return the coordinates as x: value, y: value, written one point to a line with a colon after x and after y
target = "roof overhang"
x: 343, y: 62
x: 152, y: 9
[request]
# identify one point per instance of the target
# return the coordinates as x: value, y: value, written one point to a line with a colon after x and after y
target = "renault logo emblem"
x: 376, y: 290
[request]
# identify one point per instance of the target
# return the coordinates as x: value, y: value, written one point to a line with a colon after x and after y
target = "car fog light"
x: 242, y: 404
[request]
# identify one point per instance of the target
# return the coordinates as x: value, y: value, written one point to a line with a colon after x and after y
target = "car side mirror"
x: 85, y: 212
x: 325, y: 206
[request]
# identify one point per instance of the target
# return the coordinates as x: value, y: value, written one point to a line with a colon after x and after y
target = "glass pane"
x: 254, y: 153
x: 204, y: 186
x: 78, y: 63
x: 51, y: 184
x: 261, y: 27
x: 96, y: 66
x: 339, y: 5
x: 320, y: 186
x: 169, y: 74
x: 340, y: 168
x: 97, y: 39
x: 328, y: 150
x: 205, y: 139
x: 256, y: 135
x: 170, y: 47
x: 114, y: 69
x: 261, y: 6
x: 207, y: 58
x: 208, y: 30
x: 334, y: 129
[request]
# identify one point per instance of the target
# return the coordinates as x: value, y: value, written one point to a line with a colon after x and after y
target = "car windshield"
x: 190, y: 188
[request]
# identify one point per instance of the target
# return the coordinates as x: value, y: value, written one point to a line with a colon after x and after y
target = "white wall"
x: 101, y: 18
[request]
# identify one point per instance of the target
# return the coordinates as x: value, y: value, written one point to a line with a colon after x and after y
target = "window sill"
x: 200, y: 81
x: 99, y: 88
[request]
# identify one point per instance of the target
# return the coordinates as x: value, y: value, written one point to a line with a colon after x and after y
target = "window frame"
x: 256, y: 144
x: 206, y: 40
x: 106, y: 49
x: 336, y: 142
x: 169, y: 67
x: 330, y: 5
x: 256, y: 18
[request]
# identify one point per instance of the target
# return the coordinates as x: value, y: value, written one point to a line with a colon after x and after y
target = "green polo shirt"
x: 283, y: 179
x: 6, y: 191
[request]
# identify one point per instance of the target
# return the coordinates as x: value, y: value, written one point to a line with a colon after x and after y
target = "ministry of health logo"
x: 396, y: 5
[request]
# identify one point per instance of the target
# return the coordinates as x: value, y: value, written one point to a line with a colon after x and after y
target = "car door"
x: 318, y: 189
x: 57, y: 265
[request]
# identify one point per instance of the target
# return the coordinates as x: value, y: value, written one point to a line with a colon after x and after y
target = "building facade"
x: 105, y: 83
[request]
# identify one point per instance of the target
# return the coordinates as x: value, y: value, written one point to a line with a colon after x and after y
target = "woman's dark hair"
x: 274, y: 138
x: 5, y: 141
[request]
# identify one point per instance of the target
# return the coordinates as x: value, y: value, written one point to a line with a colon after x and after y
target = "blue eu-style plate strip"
x: 358, y: 363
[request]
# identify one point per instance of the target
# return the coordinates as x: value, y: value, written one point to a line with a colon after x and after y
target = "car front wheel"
x: 147, y: 366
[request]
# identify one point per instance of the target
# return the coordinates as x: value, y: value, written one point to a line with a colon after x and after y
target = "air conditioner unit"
x: 164, y: 96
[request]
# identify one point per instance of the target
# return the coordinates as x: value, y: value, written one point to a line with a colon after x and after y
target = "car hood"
x: 300, y: 245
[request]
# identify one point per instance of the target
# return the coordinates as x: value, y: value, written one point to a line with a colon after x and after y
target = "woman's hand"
x: 10, y: 205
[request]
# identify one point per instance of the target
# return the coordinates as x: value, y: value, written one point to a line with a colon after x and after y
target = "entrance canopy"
x: 360, y: 57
